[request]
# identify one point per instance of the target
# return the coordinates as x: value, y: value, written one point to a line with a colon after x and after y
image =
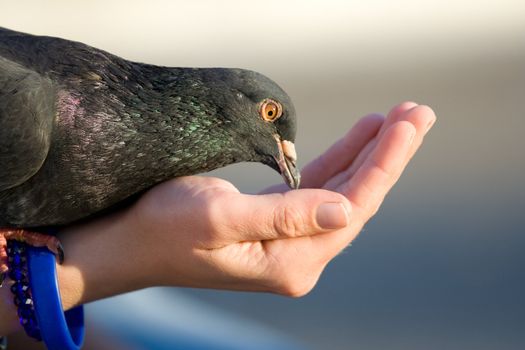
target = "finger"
x: 377, y: 176
x: 368, y: 187
x: 365, y: 132
x: 423, y: 118
x: 341, y: 154
x: 393, y: 116
x: 281, y: 215
x: 388, y: 161
x: 398, y: 113
x: 337, y: 157
x: 382, y: 168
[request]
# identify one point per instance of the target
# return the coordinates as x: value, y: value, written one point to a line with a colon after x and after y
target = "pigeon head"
x: 260, y: 116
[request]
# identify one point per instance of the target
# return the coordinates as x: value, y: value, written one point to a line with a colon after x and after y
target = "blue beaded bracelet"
x: 17, y: 260
x: 37, y: 297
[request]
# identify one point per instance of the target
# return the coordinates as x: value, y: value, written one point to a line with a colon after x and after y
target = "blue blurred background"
x: 441, y: 266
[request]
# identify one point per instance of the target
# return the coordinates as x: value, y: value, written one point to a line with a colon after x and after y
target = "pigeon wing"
x: 27, y: 109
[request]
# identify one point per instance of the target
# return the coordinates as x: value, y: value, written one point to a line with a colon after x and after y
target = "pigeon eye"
x: 270, y: 110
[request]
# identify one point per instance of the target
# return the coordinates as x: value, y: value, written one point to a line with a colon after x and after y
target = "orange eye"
x: 270, y: 110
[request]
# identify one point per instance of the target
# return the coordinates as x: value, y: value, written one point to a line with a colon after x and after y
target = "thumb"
x: 284, y: 215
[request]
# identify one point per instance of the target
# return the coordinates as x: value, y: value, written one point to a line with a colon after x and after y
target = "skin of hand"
x: 202, y: 232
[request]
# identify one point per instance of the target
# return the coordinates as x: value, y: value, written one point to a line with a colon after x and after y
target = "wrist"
x: 9, y: 320
x: 102, y: 260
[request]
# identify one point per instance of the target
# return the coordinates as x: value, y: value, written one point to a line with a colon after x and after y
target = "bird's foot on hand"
x: 3, y: 258
x: 3, y: 276
x: 34, y: 239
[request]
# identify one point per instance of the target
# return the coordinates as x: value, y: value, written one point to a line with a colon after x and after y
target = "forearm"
x: 8, y: 316
x: 100, y: 261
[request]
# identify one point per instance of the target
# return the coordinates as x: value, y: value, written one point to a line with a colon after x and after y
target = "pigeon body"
x: 82, y: 130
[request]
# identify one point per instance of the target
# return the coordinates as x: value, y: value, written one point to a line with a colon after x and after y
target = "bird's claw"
x: 60, y: 253
x: 3, y: 276
x: 54, y: 245
x: 35, y: 239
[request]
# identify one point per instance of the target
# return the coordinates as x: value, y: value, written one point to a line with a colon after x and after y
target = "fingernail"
x: 430, y: 123
x: 332, y: 216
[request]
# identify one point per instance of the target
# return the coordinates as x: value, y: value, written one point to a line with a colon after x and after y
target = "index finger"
x: 341, y: 154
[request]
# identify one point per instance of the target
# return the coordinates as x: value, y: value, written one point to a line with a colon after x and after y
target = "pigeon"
x: 83, y: 131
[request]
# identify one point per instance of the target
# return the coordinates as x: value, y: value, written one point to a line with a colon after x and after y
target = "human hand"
x: 201, y: 232
x: 366, y: 163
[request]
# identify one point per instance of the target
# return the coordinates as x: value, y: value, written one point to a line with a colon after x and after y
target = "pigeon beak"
x: 287, y: 163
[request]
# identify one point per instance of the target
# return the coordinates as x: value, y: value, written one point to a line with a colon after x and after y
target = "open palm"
x: 220, y: 238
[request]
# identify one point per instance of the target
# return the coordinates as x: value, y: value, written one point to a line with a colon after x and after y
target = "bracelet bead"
x: 22, y: 297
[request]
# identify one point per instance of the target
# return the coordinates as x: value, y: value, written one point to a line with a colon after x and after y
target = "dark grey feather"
x: 27, y: 109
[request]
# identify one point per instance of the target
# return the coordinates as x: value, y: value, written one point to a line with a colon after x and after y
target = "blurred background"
x: 441, y: 266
